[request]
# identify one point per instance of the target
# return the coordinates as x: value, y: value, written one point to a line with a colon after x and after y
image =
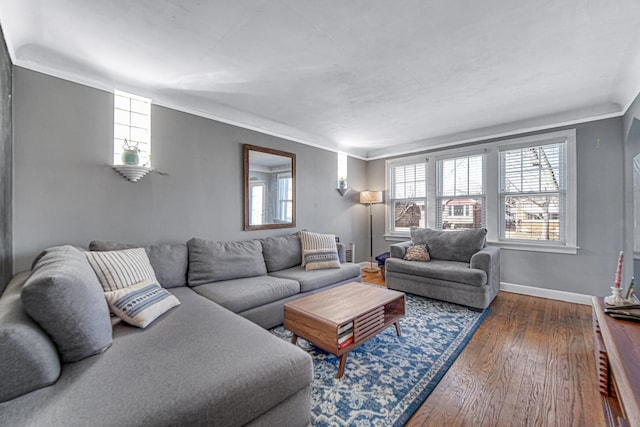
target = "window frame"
x: 492, y: 185
x: 390, y: 232
x: 569, y: 245
x: 438, y: 197
x: 145, y: 150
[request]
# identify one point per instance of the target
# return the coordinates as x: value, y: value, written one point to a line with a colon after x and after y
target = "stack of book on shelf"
x: 345, y: 335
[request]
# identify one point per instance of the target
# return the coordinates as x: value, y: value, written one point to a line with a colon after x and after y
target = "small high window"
x: 131, y: 126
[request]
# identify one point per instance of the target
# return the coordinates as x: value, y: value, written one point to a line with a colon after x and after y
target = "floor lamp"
x: 371, y: 197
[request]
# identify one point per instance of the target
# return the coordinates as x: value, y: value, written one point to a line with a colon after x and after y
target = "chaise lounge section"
x: 208, y: 361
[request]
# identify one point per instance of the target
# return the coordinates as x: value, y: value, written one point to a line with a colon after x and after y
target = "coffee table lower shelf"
x: 355, y: 311
x: 342, y: 353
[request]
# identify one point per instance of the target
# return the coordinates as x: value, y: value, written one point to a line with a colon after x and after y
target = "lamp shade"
x: 371, y: 197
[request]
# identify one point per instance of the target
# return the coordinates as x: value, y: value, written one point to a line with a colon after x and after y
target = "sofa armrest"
x: 342, y: 252
x: 398, y: 250
x: 488, y: 259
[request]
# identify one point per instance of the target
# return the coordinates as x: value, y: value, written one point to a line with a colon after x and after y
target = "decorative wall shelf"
x: 343, y: 191
x: 132, y: 173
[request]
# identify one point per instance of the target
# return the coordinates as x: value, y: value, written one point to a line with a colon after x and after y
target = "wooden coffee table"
x: 342, y: 318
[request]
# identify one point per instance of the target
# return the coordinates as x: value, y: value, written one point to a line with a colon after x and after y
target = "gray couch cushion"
x: 281, y: 252
x: 315, y: 279
x: 169, y: 262
x: 243, y: 294
x: 454, y: 245
x: 28, y: 358
x: 200, y: 365
x: 64, y: 297
x: 452, y: 271
x: 211, y: 261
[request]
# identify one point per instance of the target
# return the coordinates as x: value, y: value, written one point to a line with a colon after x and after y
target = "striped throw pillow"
x: 319, y: 251
x: 121, y: 269
x: 142, y: 303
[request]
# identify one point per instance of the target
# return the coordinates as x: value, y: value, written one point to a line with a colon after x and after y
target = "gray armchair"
x: 462, y: 270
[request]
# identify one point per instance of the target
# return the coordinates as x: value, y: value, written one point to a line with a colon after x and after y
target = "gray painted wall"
x: 600, y: 219
x: 66, y: 192
x: 6, y: 143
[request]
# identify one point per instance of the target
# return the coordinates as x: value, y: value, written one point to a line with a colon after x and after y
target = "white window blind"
x: 460, y: 202
x: 131, y: 121
x: 407, y: 196
x: 533, y: 193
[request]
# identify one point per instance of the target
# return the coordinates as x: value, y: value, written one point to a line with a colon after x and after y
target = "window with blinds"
x: 460, y: 201
x: 131, y: 126
x: 533, y: 193
x: 407, y: 196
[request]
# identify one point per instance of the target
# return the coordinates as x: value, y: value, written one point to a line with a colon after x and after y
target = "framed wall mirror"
x: 269, y: 188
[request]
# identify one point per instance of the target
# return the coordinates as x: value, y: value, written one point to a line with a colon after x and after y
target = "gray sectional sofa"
x: 208, y: 361
x: 462, y: 269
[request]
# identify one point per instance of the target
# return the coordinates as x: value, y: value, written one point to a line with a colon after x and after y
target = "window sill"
x: 396, y: 237
x: 516, y: 246
x: 535, y: 247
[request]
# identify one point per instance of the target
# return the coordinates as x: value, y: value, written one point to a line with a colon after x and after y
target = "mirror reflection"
x: 269, y: 188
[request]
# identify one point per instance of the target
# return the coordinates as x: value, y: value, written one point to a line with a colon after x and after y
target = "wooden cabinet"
x: 617, y: 352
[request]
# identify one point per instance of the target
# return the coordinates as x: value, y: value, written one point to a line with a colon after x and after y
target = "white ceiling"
x: 372, y: 78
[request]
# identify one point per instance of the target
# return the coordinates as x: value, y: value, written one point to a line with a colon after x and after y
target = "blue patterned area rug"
x: 386, y: 379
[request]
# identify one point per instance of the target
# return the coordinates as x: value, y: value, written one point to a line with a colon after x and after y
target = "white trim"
x: 535, y: 247
x: 546, y: 293
x: 397, y: 237
x: 108, y: 87
x: 446, y: 145
x: 402, y: 161
x: 571, y: 224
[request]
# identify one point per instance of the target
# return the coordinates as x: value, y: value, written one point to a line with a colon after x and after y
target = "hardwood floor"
x: 530, y: 363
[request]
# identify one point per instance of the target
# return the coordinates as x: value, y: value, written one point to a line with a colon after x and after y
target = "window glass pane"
x: 121, y: 132
x: 459, y: 179
x: 532, y: 217
x: 409, y: 181
x: 121, y: 117
x: 138, y: 134
x: 408, y: 214
x: 476, y: 175
x: 534, y: 169
x: 139, y: 106
x: 139, y: 120
x: 121, y: 102
x: 461, y: 213
x: 461, y: 176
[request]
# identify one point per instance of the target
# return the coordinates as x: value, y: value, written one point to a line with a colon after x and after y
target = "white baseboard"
x: 546, y: 293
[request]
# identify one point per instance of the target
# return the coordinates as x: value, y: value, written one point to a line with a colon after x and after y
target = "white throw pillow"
x: 120, y: 269
x: 319, y: 251
x: 142, y: 303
